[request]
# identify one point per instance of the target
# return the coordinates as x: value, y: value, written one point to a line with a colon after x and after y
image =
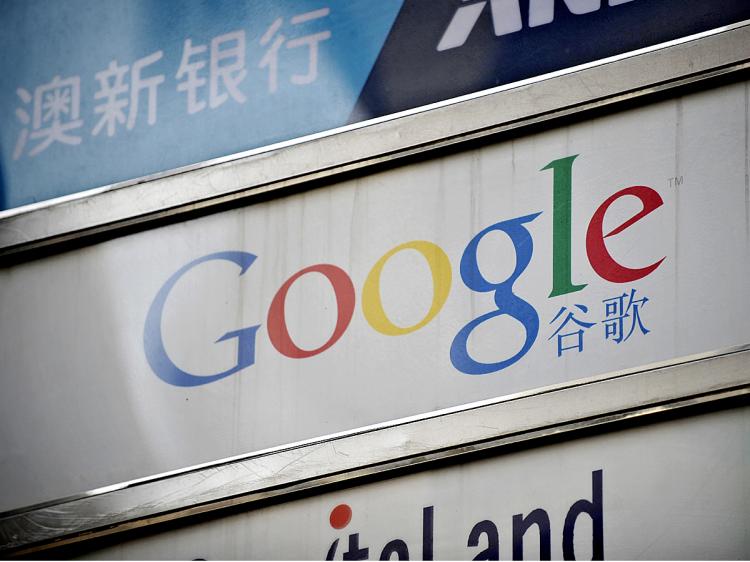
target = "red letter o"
x: 278, y: 333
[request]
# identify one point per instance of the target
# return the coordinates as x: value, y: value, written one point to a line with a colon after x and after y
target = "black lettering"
x: 428, y: 525
x: 396, y: 546
x: 492, y: 552
x: 354, y: 552
x: 332, y: 550
x: 521, y: 524
x: 595, y: 510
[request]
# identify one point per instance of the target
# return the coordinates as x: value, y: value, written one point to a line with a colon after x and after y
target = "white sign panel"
x: 672, y: 491
x: 607, y: 244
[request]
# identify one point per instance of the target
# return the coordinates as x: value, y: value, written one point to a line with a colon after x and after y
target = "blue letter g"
x: 153, y: 343
x: 506, y: 302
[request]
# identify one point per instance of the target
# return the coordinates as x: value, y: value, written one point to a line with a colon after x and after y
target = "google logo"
x: 506, y: 301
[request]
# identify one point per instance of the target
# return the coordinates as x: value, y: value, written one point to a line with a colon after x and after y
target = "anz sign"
x: 440, y: 49
x: 506, y: 17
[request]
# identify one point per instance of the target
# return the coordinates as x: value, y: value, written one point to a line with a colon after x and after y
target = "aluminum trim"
x: 391, y: 423
x: 280, y: 168
x: 636, y: 393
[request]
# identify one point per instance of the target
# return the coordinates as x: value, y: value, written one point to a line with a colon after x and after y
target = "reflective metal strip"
x: 344, y: 458
x: 237, y: 180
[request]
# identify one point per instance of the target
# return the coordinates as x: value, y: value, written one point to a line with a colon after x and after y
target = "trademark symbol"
x: 675, y: 181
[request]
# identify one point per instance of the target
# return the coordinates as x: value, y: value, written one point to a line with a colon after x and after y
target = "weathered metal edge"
x: 278, y: 171
x: 593, y: 402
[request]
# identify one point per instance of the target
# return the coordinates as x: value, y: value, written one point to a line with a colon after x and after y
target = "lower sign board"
x: 672, y: 490
x: 602, y: 245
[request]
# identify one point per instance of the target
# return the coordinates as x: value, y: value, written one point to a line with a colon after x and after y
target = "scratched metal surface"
x: 677, y: 489
x: 283, y: 168
x: 635, y: 393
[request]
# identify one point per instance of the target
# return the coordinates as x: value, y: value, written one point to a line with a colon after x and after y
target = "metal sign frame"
x: 605, y: 400
x: 280, y: 169
x: 715, y: 378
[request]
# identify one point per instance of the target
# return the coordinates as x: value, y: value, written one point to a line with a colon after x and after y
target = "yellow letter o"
x: 440, y: 268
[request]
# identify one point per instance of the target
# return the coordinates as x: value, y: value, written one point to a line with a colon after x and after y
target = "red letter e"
x: 599, y: 256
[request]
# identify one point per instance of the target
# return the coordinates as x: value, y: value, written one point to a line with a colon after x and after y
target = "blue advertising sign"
x: 94, y: 93
x: 472, y: 45
x: 99, y: 92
